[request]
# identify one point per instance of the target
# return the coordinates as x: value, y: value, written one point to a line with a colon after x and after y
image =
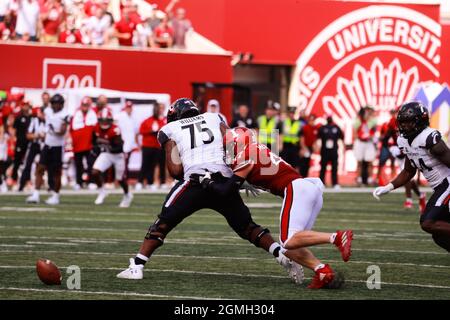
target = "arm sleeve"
x: 433, y: 139
x: 162, y: 137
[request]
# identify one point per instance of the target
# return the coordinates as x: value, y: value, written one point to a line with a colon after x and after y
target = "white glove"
x: 207, y: 175
x: 382, y: 190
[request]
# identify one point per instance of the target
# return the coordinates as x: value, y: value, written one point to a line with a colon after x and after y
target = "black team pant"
x: 329, y: 157
x: 79, y: 165
x: 19, y: 155
x: 33, y: 150
x: 150, y: 158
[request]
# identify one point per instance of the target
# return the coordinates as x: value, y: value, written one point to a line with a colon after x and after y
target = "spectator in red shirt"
x: 52, y: 15
x: 82, y: 128
x: 308, y: 138
x: 7, y: 28
x: 151, y: 150
x: 164, y: 34
x: 125, y: 29
x: 388, y: 138
x: 70, y: 34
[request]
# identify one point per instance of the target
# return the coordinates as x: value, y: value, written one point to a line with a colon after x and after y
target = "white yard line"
x: 52, y: 243
x: 233, y: 275
x: 93, y: 253
x: 109, y: 293
x: 219, y: 222
x: 196, y: 241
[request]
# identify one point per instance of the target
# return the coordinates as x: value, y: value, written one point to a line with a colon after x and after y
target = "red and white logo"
x: 70, y: 73
x: 376, y: 55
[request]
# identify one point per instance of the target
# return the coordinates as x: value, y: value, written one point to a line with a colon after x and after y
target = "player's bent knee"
x: 158, y: 231
x: 427, y: 226
x: 254, y: 233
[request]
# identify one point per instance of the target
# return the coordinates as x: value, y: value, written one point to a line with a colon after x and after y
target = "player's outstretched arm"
x: 442, y: 152
x: 403, y: 177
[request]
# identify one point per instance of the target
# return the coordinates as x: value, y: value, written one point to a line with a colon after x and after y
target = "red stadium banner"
x: 29, y: 65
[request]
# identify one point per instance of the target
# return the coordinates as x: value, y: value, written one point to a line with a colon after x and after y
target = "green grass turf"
x: 203, y: 258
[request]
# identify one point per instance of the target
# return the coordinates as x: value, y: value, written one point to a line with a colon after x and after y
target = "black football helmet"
x: 412, y: 119
x: 57, y: 102
x: 182, y: 108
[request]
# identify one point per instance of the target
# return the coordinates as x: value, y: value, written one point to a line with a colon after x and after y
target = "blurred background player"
x: 301, y: 204
x: 129, y: 132
x: 388, y: 138
x: 425, y: 151
x: 20, y: 126
x: 152, y: 153
x: 364, y: 146
x: 82, y: 127
x: 108, y: 145
x: 3, y: 158
x: 308, y: 139
x: 56, y: 123
x: 36, y: 137
x: 329, y: 135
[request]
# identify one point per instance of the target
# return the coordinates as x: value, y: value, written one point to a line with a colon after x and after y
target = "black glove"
x: 202, y: 180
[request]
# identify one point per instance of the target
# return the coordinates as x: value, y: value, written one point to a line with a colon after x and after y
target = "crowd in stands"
x: 94, y: 22
x: 23, y: 128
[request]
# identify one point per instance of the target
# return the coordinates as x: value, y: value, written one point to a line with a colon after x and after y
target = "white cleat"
x: 92, y: 186
x: 76, y: 187
x: 101, y: 197
x: 138, y: 186
x: 134, y: 271
x: 126, y: 200
x: 53, y: 200
x: 295, y: 271
x: 34, y: 198
x: 3, y: 188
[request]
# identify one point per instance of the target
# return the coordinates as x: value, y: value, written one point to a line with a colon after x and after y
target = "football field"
x: 203, y: 259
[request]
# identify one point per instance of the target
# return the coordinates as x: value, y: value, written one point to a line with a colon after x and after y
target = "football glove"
x: 203, y: 180
x: 250, y: 189
x: 382, y: 190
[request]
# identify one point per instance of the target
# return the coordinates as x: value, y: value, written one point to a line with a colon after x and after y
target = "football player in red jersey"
x: 302, y: 202
x: 109, y: 147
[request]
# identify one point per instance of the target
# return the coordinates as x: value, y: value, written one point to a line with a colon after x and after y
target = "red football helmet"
x: 235, y: 140
x: 105, y: 119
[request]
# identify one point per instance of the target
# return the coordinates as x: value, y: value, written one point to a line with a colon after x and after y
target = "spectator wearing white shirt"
x: 97, y: 27
x: 5, y: 8
x: 27, y: 20
x: 128, y: 128
x: 213, y: 106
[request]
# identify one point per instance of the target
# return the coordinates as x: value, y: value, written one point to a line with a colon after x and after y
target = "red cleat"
x: 344, y: 243
x: 408, y: 204
x: 422, y: 202
x: 323, y: 276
